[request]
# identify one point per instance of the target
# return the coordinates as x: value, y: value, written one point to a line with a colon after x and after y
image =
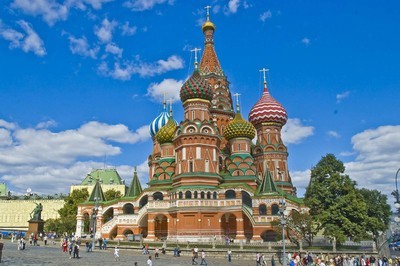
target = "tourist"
x: 156, y: 253
x: 149, y: 262
x: 203, y: 258
x: 105, y: 243
x: 116, y: 253
x: 45, y: 240
x: 76, y: 251
x: 258, y: 256
x: 196, y: 252
x: 272, y: 261
x: 194, y: 262
x: 229, y: 255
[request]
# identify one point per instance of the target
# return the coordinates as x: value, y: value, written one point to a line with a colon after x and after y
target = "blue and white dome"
x: 158, y: 123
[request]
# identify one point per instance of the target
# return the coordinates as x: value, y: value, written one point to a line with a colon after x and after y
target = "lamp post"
x: 396, y: 194
x: 94, y: 217
x: 282, y: 212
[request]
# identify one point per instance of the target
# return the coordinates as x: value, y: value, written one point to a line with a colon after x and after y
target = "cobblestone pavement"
x: 52, y: 255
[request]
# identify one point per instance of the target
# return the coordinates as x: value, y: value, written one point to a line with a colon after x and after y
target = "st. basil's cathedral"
x: 212, y: 176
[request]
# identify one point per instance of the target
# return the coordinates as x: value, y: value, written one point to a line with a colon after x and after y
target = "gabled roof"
x: 97, y: 193
x: 267, y: 186
x: 106, y: 177
x: 135, y: 188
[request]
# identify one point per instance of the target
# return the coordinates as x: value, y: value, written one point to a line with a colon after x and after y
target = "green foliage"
x: 378, y: 211
x: 335, y: 202
x: 112, y: 194
x: 67, y: 220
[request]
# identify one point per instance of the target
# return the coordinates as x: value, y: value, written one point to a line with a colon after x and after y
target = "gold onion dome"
x: 239, y: 127
x: 166, y: 133
x: 208, y: 25
x: 196, y: 88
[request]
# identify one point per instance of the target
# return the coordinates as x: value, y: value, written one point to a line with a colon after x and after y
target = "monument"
x: 36, y: 224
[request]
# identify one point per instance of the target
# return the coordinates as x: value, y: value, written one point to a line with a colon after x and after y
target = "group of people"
x: 195, y: 256
x: 308, y: 259
x: 71, y: 245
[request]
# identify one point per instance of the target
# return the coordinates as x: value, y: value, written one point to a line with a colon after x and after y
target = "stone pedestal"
x: 35, y: 227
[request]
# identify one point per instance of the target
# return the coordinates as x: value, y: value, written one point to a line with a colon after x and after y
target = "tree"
x: 112, y: 194
x: 67, y: 220
x: 378, y: 211
x: 335, y: 202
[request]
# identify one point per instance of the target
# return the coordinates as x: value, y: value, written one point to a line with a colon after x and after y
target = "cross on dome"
x: 208, y: 11
x: 265, y: 70
x: 195, y: 50
x: 237, y: 101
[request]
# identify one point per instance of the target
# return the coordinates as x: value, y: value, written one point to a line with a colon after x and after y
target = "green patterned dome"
x: 239, y: 127
x: 196, y: 87
x: 166, y: 133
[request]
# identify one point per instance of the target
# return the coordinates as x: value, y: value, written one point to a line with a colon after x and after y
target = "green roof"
x: 135, y: 188
x: 3, y: 190
x: 105, y: 176
x: 267, y: 186
x: 97, y: 193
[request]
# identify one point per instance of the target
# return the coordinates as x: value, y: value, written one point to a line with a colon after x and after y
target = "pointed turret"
x: 267, y: 186
x: 135, y: 188
x: 97, y: 193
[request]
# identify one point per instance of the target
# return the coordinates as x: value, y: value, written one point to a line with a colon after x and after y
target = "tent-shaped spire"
x: 135, y: 188
x: 97, y: 193
x: 267, y: 186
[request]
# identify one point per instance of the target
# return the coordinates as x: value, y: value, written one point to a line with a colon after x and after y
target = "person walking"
x: 194, y: 257
x: 116, y: 253
x: 156, y: 253
x: 229, y: 255
x: 149, y: 262
x: 76, y: 251
x: 203, y: 258
x: 258, y: 257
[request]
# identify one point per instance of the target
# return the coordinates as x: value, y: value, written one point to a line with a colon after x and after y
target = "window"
x: 275, y: 209
x: 195, y: 194
x: 190, y: 166
x: 207, y: 166
x: 262, y: 209
x: 215, y: 195
x: 158, y: 196
x: 208, y: 195
x: 188, y: 195
x: 202, y: 194
x: 230, y: 194
x: 180, y: 195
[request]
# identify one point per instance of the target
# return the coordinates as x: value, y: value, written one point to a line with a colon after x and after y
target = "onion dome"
x: 196, y: 87
x: 159, y: 122
x: 208, y: 25
x: 166, y: 133
x: 239, y: 127
x: 267, y: 109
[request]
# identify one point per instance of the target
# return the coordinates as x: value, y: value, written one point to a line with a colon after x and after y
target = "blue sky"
x: 80, y: 81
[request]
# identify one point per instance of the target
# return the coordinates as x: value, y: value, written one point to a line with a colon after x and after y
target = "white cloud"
x: 341, y: 96
x: 333, y: 134
x: 124, y: 70
x: 266, y: 15
x: 81, y: 4
x: 141, y: 5
x: 232, y: 7
x: 377, y: 158
x: 300, y: 179
x: 28, y: 41
x: 168, y: 87
x: 114, y: 49
x: 105, y: 32
x: 46, y: 124
x: 306, y: 41
x: 80, y: 46
x: 7, y: 125
x: 128, y: 30
x: 48, y: 161
x: 294, y: 132
x: 50, y: 10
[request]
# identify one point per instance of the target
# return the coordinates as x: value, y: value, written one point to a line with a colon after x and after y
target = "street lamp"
x: 94, y: 216
x: 282, y: 212
x: 396, y: 194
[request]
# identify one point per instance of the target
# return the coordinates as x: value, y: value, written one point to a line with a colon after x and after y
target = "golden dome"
x: 166, y: 133
x: 208, y: 25
x: 239, y: 127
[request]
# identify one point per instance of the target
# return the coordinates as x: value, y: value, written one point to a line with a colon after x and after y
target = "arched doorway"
x: 86, y: 223
x: 113, y: 232
x: 127, y: 232
x: 228, y: 225
x: 143, y: 226
x: 143, y: 201
x: 268, y: 236
x: 248, y: 227
x: 108, y: 215
x: 246, y: 199
x: 128, y: 209
x: 161, y: 227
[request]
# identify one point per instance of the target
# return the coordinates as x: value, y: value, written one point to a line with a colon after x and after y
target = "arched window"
x: 143, y: 201
x: 188, y: 195
x: 215, y: 195
x: 128, y: 209
x: 158, y: 196
x: 275, y: 209
x: 208, y: 195
x: 195, y: 194
x: 180, y: 195
x: 230, y: 194
x: 262, y: 209
x: 202, y: 194
x: 246, y: 199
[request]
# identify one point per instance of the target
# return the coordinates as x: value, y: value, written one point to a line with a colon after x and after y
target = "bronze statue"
x: 37, y: 212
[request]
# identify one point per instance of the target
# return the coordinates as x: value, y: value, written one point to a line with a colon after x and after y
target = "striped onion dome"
x: 196, y: 87
x: 158, y: 122
x: 239, y: 127
x: 166, y: 133
x: 267, y: 109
